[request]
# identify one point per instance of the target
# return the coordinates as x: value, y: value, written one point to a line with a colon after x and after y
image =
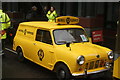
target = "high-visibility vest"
x: 4, y: 24
x: 51, y: 16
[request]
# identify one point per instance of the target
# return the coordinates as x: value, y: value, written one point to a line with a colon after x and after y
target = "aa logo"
x: 41, y: 54
x: 68, y: 20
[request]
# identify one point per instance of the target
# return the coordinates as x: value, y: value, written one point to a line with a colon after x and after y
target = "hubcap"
x: 62, y: 73
x: 20, y: 54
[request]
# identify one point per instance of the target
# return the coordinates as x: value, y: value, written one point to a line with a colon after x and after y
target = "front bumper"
x: 88, y: 73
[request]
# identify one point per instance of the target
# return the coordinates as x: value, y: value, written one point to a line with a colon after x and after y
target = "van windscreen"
x: 70, y: 35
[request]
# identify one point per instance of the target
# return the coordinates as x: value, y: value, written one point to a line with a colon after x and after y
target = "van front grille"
x: 95, y: 64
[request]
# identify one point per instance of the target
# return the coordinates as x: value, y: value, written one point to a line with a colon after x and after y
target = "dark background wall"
x: 103, y: 15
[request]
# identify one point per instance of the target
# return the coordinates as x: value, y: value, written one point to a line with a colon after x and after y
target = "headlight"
x: 110, y: 55
x: 80, y: 60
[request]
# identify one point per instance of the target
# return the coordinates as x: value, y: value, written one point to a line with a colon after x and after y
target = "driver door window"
x: 43, y: 36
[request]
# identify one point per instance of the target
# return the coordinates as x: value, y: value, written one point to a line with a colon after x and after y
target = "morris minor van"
x: 62, y: 47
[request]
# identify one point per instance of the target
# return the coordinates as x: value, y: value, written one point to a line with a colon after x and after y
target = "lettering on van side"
x: 25, y: 31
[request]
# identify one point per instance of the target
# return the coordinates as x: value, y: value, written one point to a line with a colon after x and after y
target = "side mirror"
x: 67, y: 44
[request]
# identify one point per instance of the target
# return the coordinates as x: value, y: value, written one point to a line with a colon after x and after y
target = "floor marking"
x: 11, y: 50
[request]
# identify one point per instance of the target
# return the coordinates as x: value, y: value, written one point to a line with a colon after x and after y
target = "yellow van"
x: 61, y: 47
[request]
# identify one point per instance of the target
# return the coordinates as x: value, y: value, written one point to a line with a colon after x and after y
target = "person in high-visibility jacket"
x: 51, y: 15
x: 4, y: 24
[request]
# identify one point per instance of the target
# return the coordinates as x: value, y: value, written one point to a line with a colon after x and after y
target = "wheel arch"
x: 17, y: 48
x: 59, y: 63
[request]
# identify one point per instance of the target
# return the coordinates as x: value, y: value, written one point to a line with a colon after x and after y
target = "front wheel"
x: 63, y: 72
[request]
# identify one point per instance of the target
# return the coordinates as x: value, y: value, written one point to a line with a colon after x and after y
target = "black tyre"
x: 20, y: 55
x: 63, y: 72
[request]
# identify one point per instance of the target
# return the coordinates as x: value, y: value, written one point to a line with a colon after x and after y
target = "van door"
x: 44, y: 50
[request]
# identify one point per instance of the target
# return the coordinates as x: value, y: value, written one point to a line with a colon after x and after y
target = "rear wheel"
x: 63, y: 72
x: 20, y: 55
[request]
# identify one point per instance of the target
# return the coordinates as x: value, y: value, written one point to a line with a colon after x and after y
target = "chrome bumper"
x: 82, y: 74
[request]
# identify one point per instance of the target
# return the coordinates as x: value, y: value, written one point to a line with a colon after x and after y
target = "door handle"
x: 51, y: 51
x: 34, y: 43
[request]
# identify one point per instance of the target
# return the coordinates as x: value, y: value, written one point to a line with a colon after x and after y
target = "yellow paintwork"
x: 25, y: 38
x: 116, y: 69
x: 48, y: 25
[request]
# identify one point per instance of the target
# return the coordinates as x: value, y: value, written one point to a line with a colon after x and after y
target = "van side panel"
x: 24, y: 35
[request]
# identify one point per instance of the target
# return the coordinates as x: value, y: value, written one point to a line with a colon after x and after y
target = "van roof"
x: 48, y: 25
